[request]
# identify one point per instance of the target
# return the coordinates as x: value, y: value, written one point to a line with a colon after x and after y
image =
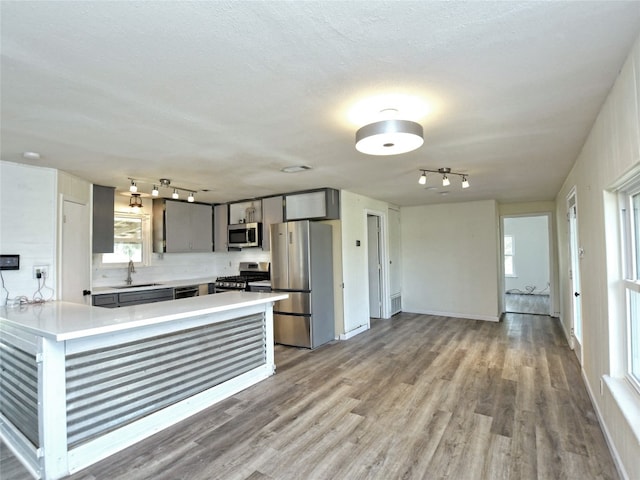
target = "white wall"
x: 531, y: 254
x: 450, y: 259
x: 611, y: 150
x: 353, y: 213
x: 27, y: 225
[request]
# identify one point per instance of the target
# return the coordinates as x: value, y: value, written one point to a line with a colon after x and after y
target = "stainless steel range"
x: 249, y: 272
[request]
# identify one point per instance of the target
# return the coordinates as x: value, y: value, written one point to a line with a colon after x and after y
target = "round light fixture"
x: 389, y: 137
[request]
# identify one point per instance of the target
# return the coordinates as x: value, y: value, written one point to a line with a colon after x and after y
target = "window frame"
x: 630, y: 247
x: 512, y: 255
x: 146, y: 241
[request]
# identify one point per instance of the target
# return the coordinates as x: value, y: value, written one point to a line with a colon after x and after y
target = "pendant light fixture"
x: 135, y: 202
x: 389, y: 137
x: 445, y: 172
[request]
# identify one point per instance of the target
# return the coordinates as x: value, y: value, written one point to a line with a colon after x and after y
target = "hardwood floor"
x: 524, y: 303
x: 414, y: 397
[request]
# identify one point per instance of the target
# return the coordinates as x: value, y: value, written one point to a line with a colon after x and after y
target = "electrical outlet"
x: 601, y: 387
x: 40, y: 271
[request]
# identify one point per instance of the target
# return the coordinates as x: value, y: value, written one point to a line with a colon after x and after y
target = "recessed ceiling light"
x: 295, y: 168
x: 31, y: 156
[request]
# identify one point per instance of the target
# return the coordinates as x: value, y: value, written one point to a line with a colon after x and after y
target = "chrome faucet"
x: 130, y: 269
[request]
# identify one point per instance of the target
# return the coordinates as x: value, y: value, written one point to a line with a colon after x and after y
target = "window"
x: 129, y: 239
x: 508, y: 256
x: 630, y: 207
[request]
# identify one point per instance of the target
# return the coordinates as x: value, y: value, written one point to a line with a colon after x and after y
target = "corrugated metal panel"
x: 19, y: 387
x: 111, y: 387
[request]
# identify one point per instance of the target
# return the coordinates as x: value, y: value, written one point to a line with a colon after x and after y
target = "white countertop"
x: 65, y: 321
x: 161, y: 284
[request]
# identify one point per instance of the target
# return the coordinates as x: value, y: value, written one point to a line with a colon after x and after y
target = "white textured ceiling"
x: 221, y: 95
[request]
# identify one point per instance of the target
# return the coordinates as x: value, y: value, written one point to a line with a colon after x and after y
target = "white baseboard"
x: 354, y: 332
x: 607, y: 436
x: 488, y: 318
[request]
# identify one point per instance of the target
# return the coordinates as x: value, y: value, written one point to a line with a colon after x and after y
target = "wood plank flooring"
x: 415, y: 397
x: 525, y: 303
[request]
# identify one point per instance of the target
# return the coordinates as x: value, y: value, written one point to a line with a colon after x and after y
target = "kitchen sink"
x: 138, y: 285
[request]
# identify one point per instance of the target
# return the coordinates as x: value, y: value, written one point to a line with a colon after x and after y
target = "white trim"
x: 628, y: 402
x: 455, y: 315
x: 354, y: 332
x: 385, y: 288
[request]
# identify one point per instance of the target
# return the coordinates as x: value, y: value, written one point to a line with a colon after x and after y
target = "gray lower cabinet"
x: 180, y: 227
x: 125, y: 299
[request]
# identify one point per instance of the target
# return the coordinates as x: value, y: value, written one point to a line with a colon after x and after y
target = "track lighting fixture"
x: 445, y: 172
x: 155, y: 192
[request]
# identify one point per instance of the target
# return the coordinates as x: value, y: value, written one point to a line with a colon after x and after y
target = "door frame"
x: 62, y: 198
x: 550, y: 238
x: 385, y: 299
x: 574, y: 273
x: 378, y: 266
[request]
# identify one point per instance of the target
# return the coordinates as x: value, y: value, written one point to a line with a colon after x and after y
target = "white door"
x: 373, y: 253
x: 75, y: 265
x: 574, y: 276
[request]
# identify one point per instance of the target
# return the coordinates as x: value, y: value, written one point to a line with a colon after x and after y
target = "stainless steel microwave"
x: 244, y: 235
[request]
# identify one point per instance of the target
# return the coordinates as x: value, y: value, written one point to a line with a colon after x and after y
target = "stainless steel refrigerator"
x: 302, y: 266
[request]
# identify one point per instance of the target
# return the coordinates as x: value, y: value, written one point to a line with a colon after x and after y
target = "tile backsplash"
x: 178, y: 266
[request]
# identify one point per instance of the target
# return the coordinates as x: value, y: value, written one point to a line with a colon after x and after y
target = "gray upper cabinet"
x: 272, y: 212
x: 321, y: 204
x: 103, y: 224
x: 221, y: 214
x: 180, y: 227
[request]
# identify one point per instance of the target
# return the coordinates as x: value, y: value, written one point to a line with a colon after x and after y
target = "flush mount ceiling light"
x: 445, y: 172
x: 31, y: 156
x: 389, y: 137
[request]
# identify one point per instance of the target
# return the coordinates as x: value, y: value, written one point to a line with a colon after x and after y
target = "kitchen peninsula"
x: 81, y: 383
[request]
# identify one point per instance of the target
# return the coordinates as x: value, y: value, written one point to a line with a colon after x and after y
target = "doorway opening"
x: 527, y: 264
